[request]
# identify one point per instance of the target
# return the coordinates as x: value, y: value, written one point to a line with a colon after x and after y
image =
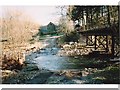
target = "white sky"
x: 41, y: 14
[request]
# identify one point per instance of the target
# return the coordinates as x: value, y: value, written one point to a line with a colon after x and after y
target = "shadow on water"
x: 47, y: 58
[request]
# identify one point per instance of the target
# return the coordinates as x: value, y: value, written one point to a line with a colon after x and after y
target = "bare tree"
x: 17, y: 27
x: 17, y: 30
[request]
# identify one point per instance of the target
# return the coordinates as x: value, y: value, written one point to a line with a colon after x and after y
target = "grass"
x: 108, y: 75
x: 86, y: 62
x: 106, y: 72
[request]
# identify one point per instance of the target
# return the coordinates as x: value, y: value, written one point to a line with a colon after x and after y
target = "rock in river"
x: 31, y: 67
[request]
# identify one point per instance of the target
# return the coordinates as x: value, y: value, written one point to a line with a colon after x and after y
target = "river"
x: 46, y: 66
x: 48, y: 58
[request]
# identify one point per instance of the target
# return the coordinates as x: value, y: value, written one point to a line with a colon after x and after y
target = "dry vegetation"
x: 17, y: 30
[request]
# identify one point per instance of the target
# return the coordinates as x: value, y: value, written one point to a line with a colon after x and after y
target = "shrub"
x: 71, y: 37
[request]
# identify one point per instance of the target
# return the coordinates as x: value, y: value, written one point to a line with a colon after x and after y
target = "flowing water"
x: 48, y: 57
x: 52, y: 68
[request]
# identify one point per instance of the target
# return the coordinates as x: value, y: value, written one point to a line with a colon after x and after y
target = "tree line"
x: 93, y: 16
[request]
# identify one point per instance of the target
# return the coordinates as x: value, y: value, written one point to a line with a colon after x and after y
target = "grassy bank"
x: 108, y: 75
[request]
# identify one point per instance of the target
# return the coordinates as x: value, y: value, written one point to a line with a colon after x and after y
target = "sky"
x: 40, y: 14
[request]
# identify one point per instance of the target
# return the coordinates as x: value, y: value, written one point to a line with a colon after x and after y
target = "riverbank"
x: 31, y: 74
x: 13, y: 57
x: 45, y: 66
x: 14, y: 74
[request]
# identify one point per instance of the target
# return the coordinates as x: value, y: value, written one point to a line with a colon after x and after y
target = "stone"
x: 31, y: 67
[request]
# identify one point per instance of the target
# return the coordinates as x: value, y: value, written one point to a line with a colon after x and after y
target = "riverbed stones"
x: 55, y: 79
x: 59, y: 79
x: 31, y: 67
x: 40, y: 78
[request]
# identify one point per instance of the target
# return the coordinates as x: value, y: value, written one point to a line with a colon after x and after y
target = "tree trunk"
x: 108, y: 17
x: 87, y: 20
x: 91, y: 19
